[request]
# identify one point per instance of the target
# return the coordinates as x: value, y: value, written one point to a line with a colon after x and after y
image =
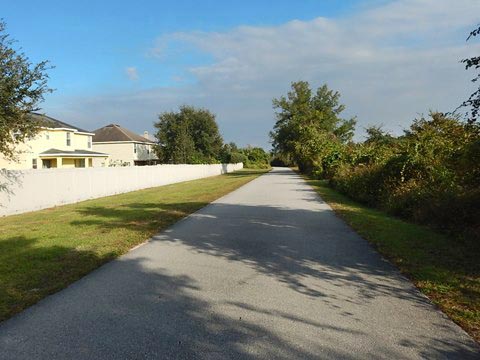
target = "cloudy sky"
x: 125, y: 62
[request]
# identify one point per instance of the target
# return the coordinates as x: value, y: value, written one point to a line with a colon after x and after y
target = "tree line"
x: 430, y: 174
x: 191, y: 136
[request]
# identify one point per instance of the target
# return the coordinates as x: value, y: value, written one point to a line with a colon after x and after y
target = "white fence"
x: 29, y: 190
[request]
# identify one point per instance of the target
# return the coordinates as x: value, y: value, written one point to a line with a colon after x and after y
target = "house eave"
x: 67, y: 129
x: 123, y: 142
x: 71, y: 155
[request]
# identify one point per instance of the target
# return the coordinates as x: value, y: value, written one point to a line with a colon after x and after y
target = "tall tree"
x: 190, y: 135
x: 204, y: 131
x: 473, y: 102
x: 308, y: 124
x: 22, y: 88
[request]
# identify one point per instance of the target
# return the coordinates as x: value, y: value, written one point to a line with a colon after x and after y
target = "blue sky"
x: 92, y: 42
x: 125, y: 62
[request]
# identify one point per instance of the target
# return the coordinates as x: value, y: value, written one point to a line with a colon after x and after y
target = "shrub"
x: 430, y: 175
x: 237, y: 157
x: 256, y: 158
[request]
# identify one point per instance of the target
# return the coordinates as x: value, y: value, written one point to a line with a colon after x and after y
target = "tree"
x: 230, y: 153
x: 309, y: 127
x: 473, y: 102
x: 188, y: 136
x: 22, y: 88
x: 255, y: 157
x: 204, y: 131
x: 251, y: 157
x: 376, y: 135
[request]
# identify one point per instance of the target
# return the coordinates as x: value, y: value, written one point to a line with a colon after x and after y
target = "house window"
x: 89, y: 142
x: 80, y: 163
x: 34, y: 163
x: 69, y: 139
x: 47, y: 164
x: 148, y: 149
x: 134, y: 148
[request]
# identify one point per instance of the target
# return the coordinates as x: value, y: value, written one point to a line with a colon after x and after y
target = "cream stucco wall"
x: 46, y: 139
x: 124, y: 152
x: 118, y: 152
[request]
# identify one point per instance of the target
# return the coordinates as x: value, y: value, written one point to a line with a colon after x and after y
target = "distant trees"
x: 23, y: 86
x: 189, y: 136
x: 230, y: 153
x: 256, y: 157
x: 252, y: 157
x: 309, y: 129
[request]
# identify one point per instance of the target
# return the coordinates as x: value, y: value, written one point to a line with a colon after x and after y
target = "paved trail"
x: 265, y: 272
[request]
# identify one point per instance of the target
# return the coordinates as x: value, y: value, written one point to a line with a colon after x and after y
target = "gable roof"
x: 49, y: 122
x: 114, y: 132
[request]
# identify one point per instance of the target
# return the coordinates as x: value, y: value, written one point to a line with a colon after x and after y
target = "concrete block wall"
x: 29, y: 190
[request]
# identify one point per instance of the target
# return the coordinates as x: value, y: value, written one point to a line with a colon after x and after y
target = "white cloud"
x: 132, y: 73
x: 390, y: 63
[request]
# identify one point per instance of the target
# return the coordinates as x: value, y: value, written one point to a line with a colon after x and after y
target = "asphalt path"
x: 266, y: 272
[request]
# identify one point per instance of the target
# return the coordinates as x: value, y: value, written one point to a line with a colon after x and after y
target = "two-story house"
x: 56, y: 145
x: 124, y: 146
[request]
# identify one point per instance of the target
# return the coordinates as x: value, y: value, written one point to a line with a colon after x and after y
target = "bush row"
x: 430, y: 175
x: 252, y: 157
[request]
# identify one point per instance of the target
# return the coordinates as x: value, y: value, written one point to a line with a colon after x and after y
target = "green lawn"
x: 44, y: 251
x: 446, y: 270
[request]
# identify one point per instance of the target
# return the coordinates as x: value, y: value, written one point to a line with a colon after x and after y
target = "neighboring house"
x: 124, y: 146
x: 57, y: 145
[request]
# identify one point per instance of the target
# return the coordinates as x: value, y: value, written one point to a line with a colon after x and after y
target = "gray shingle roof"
x: 50, y: 122
x: 114, y: 132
